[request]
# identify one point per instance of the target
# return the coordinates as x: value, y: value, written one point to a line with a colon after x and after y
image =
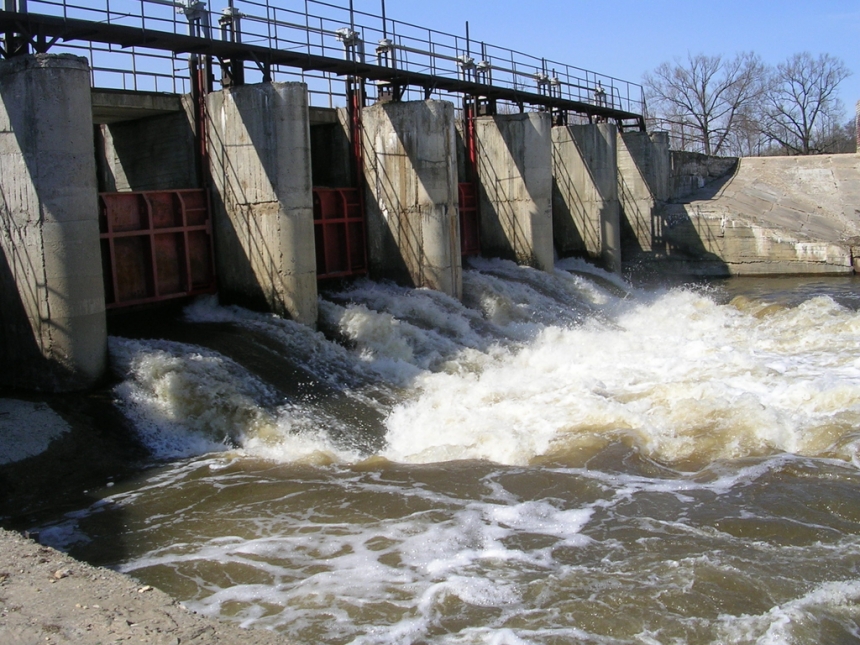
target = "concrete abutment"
x: 52, y: 303
x: 410, y: 170
x: 259, y: 150
x: 515, y: 187
x: 585, y: 193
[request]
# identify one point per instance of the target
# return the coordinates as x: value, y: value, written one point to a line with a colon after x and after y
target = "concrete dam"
x: 114, y: 198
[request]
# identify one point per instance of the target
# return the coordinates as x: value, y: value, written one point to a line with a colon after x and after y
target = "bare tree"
x: 842, y: 139
x: 801, y: 107
x: 708, y: 94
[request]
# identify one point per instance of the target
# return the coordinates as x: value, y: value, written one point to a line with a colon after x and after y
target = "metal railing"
x: 317, y: 28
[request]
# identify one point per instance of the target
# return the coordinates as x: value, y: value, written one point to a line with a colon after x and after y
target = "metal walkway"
x: 331, y: 41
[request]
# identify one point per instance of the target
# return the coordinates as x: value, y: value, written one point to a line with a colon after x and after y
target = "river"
x: 560, y: 458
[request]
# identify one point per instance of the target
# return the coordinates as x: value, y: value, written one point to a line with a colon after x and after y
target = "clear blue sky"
x: 626, y: 38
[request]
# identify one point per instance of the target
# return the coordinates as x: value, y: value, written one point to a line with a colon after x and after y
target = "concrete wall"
x: 153, y: 153
x: 689, y: 172
x: 775, y: 215
x: 259, y: 147
x: 702, y: 241
x: 643, y: 182
x: 515, y: 187
x: 52, y: 305
x: 585, y: 193
x: 410, y: 167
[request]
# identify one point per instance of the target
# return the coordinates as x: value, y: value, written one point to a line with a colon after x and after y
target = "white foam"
x: 186, y: 400
x: 682, y: 377
x: 27, y: 429
x: 797, y: 620
x: 531, y: 364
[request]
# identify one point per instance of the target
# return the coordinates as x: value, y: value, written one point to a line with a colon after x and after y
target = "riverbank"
x: 48, y: 597
x: 50, y: 454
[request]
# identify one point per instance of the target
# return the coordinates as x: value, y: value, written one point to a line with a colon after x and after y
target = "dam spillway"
x: 513, y: 467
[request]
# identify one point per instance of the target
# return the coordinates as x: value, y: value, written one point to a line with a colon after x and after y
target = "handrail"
x: 318, y: 31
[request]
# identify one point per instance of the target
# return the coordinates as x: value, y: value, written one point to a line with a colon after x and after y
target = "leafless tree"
x: 802, y: 110
x: 842, y: 138
x: 708, y: 95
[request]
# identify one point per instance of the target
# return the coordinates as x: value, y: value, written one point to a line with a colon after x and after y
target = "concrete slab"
x: 27, y: 429
x: 115, y: 106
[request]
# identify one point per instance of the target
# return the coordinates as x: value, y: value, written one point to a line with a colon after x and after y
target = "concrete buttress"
x: 52, y: 303
x: 410, y: 169
x: 585, y: 193
x: 515, y: 187
x: 259, y: 150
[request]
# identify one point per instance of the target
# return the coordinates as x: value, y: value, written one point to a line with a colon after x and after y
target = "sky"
x: 626, y: 38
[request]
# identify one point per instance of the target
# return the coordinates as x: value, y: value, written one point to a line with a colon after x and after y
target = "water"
x: 561, y: 458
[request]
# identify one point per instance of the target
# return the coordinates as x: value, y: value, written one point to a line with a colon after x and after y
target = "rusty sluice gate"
x: 339, y: 233
x: 470, y: 241
x: 156, y: 245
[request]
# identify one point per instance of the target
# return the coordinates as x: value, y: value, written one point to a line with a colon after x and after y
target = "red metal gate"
x: 470, y: 241
x: 156, y: 245
x: 339, y: 233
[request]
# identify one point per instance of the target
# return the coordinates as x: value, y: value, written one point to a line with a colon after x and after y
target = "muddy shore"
x: 46, y: 596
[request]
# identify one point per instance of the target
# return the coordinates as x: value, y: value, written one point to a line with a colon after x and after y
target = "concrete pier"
x: 52, y: 304
x: 515, y: 187
x: 259, y: 147
x: 410, y: 168
x: 643, y: 183
x: 585, y: 193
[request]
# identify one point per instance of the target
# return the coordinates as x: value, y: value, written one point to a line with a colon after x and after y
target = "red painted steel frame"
x: 156, y: 245
x: 470, y: 226
x: 470, y: 241
x: 339, y: 233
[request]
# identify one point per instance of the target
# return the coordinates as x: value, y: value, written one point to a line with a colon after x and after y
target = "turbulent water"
x: 560, y: 458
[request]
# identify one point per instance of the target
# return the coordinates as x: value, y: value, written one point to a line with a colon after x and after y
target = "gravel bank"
x: 52, y: 448
x: 48, y: 597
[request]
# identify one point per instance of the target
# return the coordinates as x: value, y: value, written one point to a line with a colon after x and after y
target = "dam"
x: 442, y: 149
x: 295, y: 441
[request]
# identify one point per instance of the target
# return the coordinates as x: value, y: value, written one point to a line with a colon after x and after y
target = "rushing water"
x: 562, y: 458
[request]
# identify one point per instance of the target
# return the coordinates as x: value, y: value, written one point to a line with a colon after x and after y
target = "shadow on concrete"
x: 153, y: 153
x: 575, y: 234
x: 19, y: 346
x: 21, y: 277
x: 330, y: 155
x: 658, y: 237
x: 397, y: 239
x: 570, y: 238
x: 237, y: 240
x: 504, y: 232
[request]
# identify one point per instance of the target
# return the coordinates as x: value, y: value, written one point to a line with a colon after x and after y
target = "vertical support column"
x: 857, y: 127
x: 410, y: 168
x: 643, y: 184
x: 585, y: 193
x: 52, y: 305
x: 259, y: 149
x: 515, y: 187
